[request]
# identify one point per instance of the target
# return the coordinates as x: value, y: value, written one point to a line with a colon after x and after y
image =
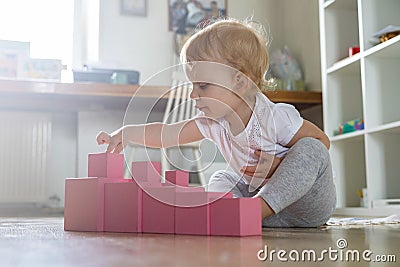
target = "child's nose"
x: 193, y: 94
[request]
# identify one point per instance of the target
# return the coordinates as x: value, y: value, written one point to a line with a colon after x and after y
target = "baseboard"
x: 29, y: 210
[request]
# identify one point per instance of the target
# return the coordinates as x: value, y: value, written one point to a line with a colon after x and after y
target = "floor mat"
x: 363, y: 221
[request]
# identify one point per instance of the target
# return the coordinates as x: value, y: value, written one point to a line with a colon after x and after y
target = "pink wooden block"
x: 236, y: 217
x: 159, y: 217
x: 183, y: 188
x: 84, y: 203
x: 213, y: 196
x: 146, y: 171
x: 189, y: 189
x: 178, y: 177
x: 107, y: 165
x: 123, y: 207
x: 192, y: 212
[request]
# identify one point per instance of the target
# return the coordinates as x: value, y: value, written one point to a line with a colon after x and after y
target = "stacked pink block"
x: 105, y: 201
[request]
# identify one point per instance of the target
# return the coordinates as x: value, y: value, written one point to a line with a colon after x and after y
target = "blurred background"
x: 46, y: 140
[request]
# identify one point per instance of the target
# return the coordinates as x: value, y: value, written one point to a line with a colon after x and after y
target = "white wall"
x: 266, y: 12
x: 292, y: 23
x: 300, y: 30
x: 145, y: 44
x: 63, y: 154
x: 140, y: 43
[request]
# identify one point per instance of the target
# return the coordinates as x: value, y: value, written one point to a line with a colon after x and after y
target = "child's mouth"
x: 200, y: 108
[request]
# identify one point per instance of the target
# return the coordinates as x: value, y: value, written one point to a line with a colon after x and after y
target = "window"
x: 46, y: 24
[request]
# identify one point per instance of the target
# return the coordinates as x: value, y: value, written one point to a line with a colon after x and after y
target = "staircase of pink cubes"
x: 106, y: 202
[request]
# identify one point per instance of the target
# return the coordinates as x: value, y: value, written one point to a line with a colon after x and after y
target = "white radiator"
x: 24, y: 148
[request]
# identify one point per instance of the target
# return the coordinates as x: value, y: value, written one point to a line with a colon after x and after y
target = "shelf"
x: 366, y: 86
x: 300, y: 99
x: 72, y: 97
x: 347, y: 136
x: 348, y: 164
x: 328, y: 3
x: 341, y: 32
x: 391, y: 128
x: 383, y: 168
x: 388, y: 49
x: 347, y: 65
x: 80, y: 89
x: 341, y: 4
x: 344, y: 95
x: 294, y: 97
x: 49, y: 95
x: 378, y: 14
x: 381, y: 88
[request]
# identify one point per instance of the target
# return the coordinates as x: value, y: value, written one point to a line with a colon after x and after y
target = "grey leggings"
x: 301, y: 192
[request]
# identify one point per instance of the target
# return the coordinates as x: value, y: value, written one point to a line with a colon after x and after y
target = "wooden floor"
x: 43, y: 242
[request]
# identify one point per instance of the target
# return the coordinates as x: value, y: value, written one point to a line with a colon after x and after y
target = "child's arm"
x: 155, y: 135
x: 308, y: 129
x: 271, y: 163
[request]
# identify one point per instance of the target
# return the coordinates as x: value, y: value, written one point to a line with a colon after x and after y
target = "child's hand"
x: 263, y: 170
x: 114, y: 141
x: 263, y: 166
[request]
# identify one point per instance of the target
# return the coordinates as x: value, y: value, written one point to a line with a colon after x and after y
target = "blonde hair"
x: 239, y: 44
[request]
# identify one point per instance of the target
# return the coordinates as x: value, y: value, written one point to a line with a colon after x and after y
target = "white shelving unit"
x: 365, y: 85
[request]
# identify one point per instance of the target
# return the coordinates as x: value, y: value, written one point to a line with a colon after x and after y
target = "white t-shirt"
x: 270, y: 128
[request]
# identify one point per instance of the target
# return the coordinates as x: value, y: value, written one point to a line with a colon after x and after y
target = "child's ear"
x: 241, y: 82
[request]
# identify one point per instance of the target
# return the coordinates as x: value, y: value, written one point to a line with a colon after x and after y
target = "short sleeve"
x: 287, y: 122
x: 206, y: 126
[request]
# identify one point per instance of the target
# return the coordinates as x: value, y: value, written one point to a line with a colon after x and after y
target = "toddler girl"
x: 274, y: 153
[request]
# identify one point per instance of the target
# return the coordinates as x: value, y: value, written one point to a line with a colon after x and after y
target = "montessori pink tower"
x: 105, y: 201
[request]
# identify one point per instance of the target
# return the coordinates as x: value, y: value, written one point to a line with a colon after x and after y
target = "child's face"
x: 213, y: 89
x: 214, y: 100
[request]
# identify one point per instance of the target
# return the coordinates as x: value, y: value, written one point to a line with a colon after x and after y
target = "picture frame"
x: 185, y: 15
x: 134, y: 8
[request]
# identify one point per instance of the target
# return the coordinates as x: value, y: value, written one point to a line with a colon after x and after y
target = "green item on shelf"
x: 350, y: 126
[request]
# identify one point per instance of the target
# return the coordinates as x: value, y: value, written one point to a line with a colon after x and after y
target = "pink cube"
x: 214, y: 196
x: 106, y: 165
x: 192, y: 212
x: 179, y: 178
x: 146, y: 171
x: 123, y: 207
x: 189, y: 189
x: 183, y: 188
x: 159, y: 210
x: 84, y: 203
x: 236, y: 217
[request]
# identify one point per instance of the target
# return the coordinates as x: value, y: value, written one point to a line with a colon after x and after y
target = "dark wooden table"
x: 77, y: 96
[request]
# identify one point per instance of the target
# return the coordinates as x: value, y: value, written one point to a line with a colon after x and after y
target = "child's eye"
x: 203, y: 85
